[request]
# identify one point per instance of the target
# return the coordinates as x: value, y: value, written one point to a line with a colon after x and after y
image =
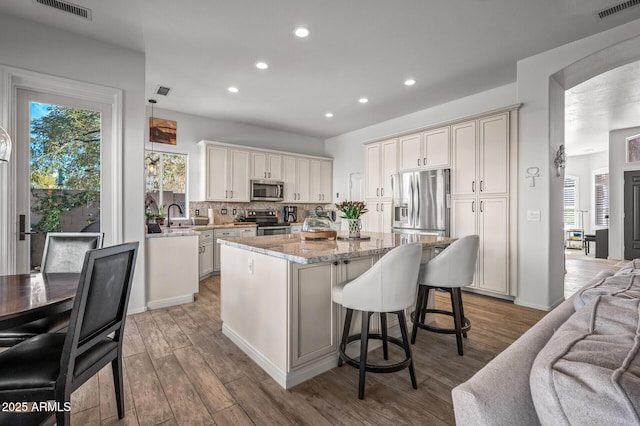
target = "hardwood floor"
x: 581, y: 268
x: 181, y: 370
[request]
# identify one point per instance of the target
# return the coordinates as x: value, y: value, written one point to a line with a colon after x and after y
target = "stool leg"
x: 345, y: 335
x: 423, y: 313
x: 462, y: 318
x: 455, y: 298
x: 407, y: 348
x: 364, y: 347
x: 383, y: 324
x: 418, y: 312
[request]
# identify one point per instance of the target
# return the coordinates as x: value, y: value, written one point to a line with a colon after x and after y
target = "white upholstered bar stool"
x: 388, y: 287
x: 453, y: 268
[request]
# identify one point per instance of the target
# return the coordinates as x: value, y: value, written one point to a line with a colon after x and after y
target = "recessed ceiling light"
x: 301, y: 32
x: 363, y: 100
x: 233, y: 89
x: 262, y: 65
x: 409, y: 82
x: 329, y: 115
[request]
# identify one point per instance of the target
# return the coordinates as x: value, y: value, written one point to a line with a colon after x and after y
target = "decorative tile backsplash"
x: 240, y: 209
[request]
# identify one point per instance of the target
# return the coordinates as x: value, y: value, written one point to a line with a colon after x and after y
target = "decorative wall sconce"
x: 5, y: 145
x: 561, y: 160
x: 533, y: 173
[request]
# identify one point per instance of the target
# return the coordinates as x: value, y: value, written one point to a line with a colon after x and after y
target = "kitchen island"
x: 276, y: 297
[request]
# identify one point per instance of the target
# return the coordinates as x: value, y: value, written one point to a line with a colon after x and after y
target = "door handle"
x: 23, y: 233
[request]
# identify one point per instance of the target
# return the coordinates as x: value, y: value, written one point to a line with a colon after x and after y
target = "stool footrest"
x: 466, y: 324
x: 373, y: 368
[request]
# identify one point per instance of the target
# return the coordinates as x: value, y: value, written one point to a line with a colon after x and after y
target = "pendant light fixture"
x: 5, y: 145
x: 152, y: 166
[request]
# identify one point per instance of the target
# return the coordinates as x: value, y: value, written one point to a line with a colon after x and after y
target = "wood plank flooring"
x: 181, y: 370
x: 581, y: 268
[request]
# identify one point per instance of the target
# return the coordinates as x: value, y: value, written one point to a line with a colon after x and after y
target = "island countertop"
x: 290, y: 247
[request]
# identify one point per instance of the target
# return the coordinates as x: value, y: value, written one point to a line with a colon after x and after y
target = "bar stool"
x: 388, y: 287
x: 453, y: 268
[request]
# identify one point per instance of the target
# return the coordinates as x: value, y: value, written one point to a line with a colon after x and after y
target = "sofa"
x: 580, y: 364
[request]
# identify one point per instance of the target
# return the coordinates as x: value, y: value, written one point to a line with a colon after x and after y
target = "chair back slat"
x: 64, y: 251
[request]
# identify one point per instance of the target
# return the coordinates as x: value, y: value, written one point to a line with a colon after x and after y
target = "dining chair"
x: 389, y: 286
x: 51, y: 366
x: 63, y: 252
x: 452, y: 269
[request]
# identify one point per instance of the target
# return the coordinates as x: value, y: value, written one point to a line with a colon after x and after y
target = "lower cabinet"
x: 489, y: 218
x: 228, y: 233
x: 205, y: 254
x: 379, y: 217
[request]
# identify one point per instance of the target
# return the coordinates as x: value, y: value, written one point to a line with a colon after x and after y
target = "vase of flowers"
x: 351, y: 211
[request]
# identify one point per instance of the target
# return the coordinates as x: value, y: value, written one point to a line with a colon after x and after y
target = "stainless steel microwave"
x: 267, y: 190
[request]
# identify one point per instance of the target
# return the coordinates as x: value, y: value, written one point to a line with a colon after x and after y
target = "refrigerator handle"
x: 417, y: 210
x: 411, y: 200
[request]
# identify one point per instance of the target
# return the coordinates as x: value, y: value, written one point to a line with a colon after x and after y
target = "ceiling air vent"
x: 617, y: 8
x: 164, y: 91
x: 67, y: 7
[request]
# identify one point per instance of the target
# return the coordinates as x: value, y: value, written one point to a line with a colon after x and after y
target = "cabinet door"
x: 289, y: 177
x: 410, y: 151
x: 348, y: 270
x: 258, y: 165
x: 239, y: 172
x: 220, y: 233
x: 493, y: 227
x: 302, y: 180
x: 275, y: 167
x: 463, y: 221
x: 206, y: 259
x: 371, y: 220
x: 326, y: 181
x: 388, y: 167
x: 436, y: 148
x: 463, y: 170
x: 372, y: 170
x: 315, y: 184
x: 386, y: 218
x: 494, y: 155
x: 314, y: 329
x: 216, y: 173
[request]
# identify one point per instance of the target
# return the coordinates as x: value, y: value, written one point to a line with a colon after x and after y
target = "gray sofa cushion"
x: 632, y: 267
x: 605, y: 283
x: 589, y: 371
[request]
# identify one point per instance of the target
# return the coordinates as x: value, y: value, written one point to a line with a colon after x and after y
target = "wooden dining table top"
x: 28, y: 297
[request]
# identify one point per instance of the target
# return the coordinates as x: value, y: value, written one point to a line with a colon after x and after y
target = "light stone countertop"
x: 182, y: 231
x: 290, y: 247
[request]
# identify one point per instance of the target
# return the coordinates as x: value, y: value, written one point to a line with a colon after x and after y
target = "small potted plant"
x: 156, y: 217
x: 351, y: 211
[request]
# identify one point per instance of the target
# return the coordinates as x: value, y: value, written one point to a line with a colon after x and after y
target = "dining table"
x: 29, y: 297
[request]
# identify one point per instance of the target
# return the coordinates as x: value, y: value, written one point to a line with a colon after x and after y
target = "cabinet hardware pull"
x: 226, y: 193
x: 230, y: 194
x: 382, y: 192
x: 473, y: 186
x: 473, y: 207
x: 265, y: 174
x: 424, y: 161
x: 377, y: 206
x: 335, y: 263
x: 481, y: 204
x: 346, y: 262
x: 381, y: 207
x: 418, y: 162
x: 269, y: 174
x: 481, y: 185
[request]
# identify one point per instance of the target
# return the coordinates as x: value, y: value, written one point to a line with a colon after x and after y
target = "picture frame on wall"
x: 633, y: 149
x: 162, y: 131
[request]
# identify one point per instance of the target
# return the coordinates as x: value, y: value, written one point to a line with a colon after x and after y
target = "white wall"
x: 583, y: 166
x: 191, y: 129
x: 540, y: 248
x: 348, y: 151
x: 43, y: 49
x: 617, y: 166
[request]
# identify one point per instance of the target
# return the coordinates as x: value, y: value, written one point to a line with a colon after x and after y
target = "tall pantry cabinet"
x: 380, y: 164
x: 482, y: 203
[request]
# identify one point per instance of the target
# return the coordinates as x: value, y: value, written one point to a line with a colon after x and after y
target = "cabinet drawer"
x: 205, y: 236
x: 246, y: 232
x: 220, y: 233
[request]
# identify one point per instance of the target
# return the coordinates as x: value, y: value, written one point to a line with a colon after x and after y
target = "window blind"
x: 601, y: 208
x: 570, y: 185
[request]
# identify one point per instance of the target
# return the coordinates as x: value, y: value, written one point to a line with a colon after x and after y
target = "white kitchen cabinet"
x: 481, y: 157
x: 226, y: 173
x: 248, y: 231
x: 428, y: 150
x: 489, y: 218
x: 295, y: 174
x: 379, y: 217
x: 205, y: 253
x: 266, y: 166
x: 320, y: 181
x: 380, y: 165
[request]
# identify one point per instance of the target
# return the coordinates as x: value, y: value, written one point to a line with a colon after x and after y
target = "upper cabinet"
x: 381, y: 162
x: 226, y: 173
x: 266, y: 166
x: 481, y: 157
x: 428, y: 149
x: 320, y: 181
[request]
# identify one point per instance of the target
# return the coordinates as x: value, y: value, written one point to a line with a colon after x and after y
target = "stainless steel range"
x: 267, y: 221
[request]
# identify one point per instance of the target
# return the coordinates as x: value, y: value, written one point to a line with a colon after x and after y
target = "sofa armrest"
x: 499, y: 394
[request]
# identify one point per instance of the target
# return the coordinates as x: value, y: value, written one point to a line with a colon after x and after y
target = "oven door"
x: 264, y: 190
x: 274, y: 230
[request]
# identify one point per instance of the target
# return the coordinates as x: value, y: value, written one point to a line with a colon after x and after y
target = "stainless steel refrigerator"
x: 421, y: 202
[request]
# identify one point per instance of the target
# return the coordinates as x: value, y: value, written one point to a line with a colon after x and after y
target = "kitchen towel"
x: 210, y: 215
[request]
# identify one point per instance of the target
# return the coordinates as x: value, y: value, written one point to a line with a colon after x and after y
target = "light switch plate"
x: 533, y: 215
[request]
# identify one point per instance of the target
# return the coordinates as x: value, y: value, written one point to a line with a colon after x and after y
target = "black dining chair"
x: 51, y: 366
x: 63, y: 252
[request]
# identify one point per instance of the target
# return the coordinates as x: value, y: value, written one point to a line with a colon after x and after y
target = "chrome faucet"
x: 169, y: 213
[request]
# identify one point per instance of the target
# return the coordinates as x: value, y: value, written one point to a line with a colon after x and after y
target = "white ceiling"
x: 356, y: 48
